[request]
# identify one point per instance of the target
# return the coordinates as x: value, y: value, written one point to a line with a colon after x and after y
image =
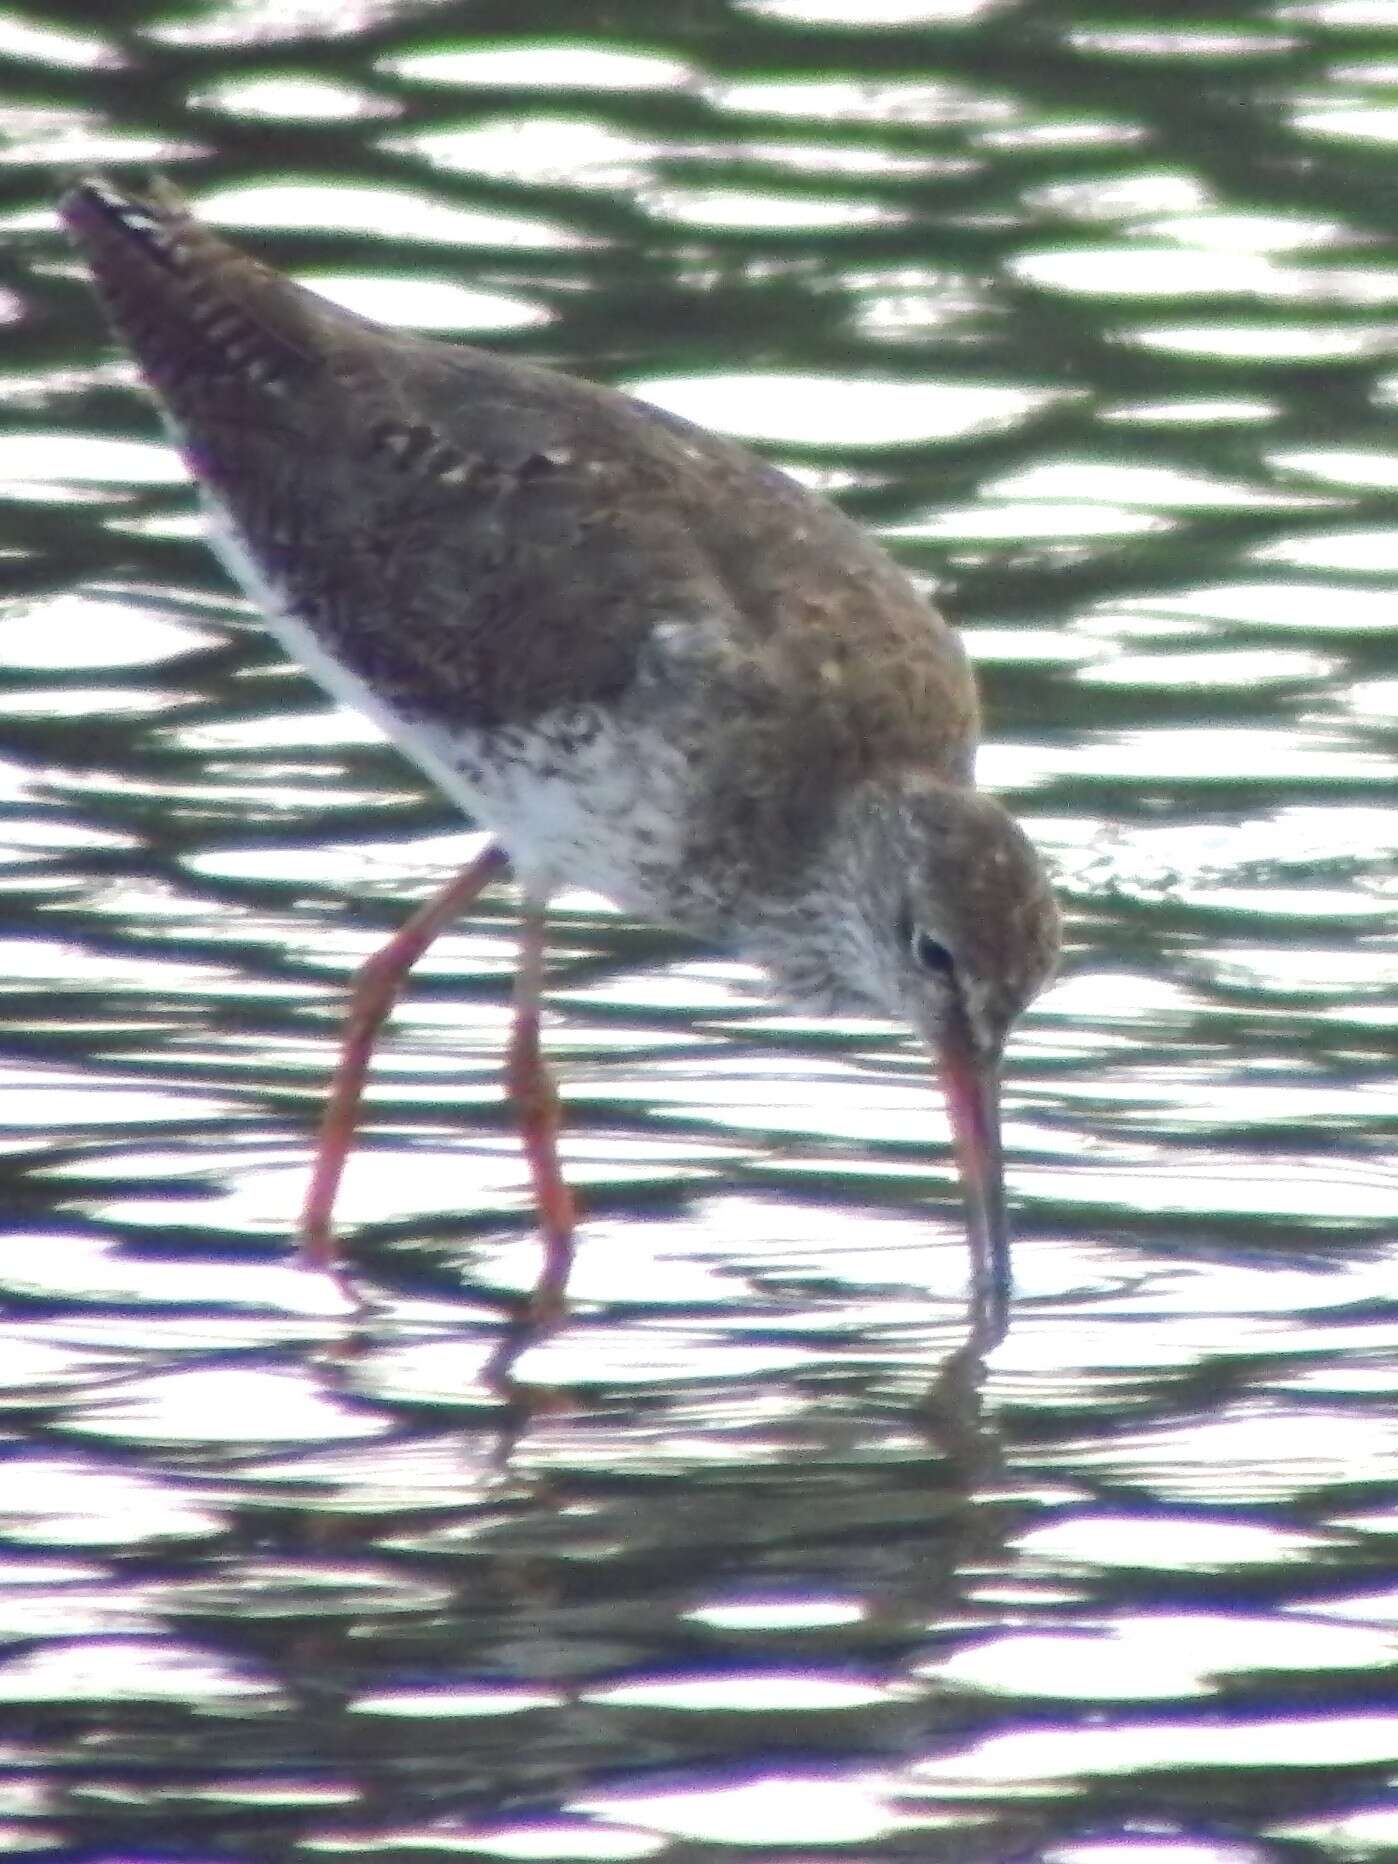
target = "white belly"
x: 572, y: 806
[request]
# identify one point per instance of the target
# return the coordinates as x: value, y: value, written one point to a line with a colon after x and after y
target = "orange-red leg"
x: 535, y: 1101
x: 373, y: 995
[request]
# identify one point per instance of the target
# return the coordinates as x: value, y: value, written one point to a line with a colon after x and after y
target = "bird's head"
x: 950, y: 926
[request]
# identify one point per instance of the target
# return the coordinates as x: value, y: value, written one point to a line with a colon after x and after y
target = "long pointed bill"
x: 972, y: 1090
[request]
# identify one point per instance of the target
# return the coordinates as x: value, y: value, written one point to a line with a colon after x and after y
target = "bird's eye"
x: 931, y: 955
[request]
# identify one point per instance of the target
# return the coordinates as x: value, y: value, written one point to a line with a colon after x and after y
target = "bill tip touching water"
x: 645, y: 661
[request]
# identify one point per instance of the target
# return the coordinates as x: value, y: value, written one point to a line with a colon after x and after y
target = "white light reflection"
x: 50, y: 1098
x: 568, y: 1841
x: 67, y: 1502
x: 817, y: 410
x: 1162, y: 857
x: 53, y: 1604
x: 1377, y: 1379
x: 26, y: 42
x: 786, y: 1808
x: 1207, y: 755
x: 1026, y: 646
x: 71, y: 141
x: 563, y: 66
x: 1365, y: 1832
x: 69, y: 966
x: 134, y: 1669
x: 21, y: 1573
x: 861, y: 15
x: 462, y: 1703
x: 75, y: 702
x: 1367, y: 469
x: 756, y: 1692
x: 1237, y: 669
x: 1213, y: 1184
x: 1157, y: 1656
x: 1373, y: 699
x: 1108, y: 198
x: 1123, y: 997
x: 779, y: 1612
x: 1193, y: 411
x: 429, y: 304
x: 864, y: 100
x: 1127, y: 482
x: 1362, y: 552
x: 535, y: 151
x: 227, y: 1406
x: 55, y: 459
x: 771, y: 212
x: 697, y: 990
x: 1320, y: 971
x: 827, y: 158
x: 292, y: 97
x: 1021, y: 522
x: 1137, y: 271
x: 1276, y: 902
x: 1219, y: 231
x: 1153, y: 1745
x: 1212, y: 43
x: 1068, y: 131
x: 1157, y: 1541
x: 1140, y: 271
x: 1265, y: 341
x: 773, y: 1093
x: 243, y: 23
x: 1343, y: 15
x: 1273, y: 1452
x: 335, y: 725
x: 76, y: 631
x: 96, y: 1274
x: 358, y: 864
x: 376, y: 211
x: 22, y: 841
x: 907, y: 304
x: 284, y: 1789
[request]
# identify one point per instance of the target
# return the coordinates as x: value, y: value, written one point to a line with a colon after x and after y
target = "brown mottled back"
x: 485, y: 541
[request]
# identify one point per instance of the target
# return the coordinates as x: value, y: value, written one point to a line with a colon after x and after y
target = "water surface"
x: 1094, y: 318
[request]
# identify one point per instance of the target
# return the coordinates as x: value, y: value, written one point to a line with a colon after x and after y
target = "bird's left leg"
x: 535, y: 1099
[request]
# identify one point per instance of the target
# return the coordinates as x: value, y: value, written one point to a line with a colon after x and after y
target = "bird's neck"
x: 816, y: 937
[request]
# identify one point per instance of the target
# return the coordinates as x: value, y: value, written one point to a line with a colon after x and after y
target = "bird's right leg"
x: 373, y: 995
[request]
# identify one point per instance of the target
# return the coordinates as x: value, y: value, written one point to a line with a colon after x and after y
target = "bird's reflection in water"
x: 949, y: 1414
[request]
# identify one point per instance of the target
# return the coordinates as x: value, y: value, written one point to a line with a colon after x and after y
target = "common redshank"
x: 647, y: 662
